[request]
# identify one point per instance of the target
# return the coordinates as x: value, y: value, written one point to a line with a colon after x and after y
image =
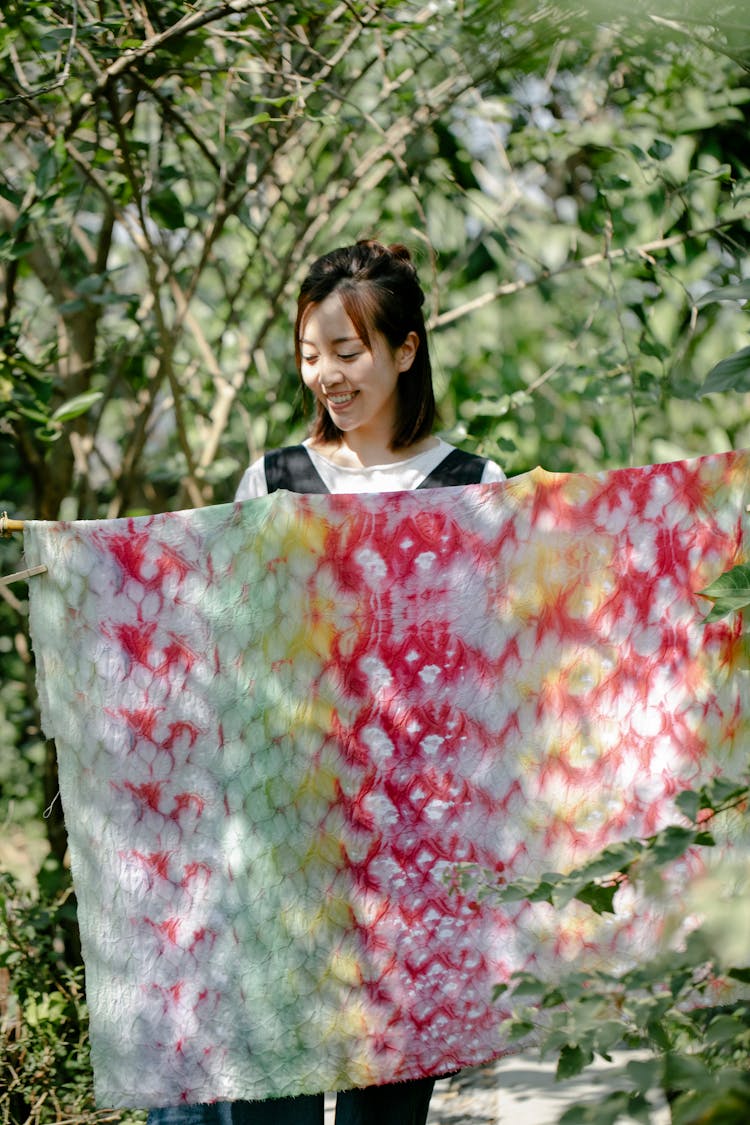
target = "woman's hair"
x: 380, y: 292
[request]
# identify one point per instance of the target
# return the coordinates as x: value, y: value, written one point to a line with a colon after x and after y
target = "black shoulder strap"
x: 292, y: 469
x: 458, y: 467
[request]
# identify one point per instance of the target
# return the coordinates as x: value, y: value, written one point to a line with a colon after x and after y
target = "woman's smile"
x: 340, y: 398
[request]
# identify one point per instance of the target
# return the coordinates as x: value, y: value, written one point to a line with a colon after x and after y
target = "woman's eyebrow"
x: 338, y: 340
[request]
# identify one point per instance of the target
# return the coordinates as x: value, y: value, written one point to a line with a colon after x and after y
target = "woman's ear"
x: 407, y: 351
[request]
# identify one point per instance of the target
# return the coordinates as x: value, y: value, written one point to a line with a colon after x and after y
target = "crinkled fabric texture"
x: 283, y: 727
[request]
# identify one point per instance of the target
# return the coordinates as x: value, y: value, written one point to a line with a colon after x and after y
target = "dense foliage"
x: 572, y: 179
x: 687, y: 1006
x: 45, y: 1073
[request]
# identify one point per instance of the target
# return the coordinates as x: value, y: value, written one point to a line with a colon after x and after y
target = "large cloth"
x: 285, y: 726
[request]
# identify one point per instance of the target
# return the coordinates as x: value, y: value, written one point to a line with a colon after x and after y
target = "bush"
x: 45, y: 1071
x: 688, y: 1008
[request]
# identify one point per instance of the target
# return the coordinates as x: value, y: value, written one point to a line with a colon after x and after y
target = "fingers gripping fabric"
x: 284, y: 726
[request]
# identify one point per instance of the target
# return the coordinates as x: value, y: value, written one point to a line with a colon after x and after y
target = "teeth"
x: 339, y: 400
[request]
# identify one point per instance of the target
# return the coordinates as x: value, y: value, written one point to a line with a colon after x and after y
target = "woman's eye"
x: 349, y: 355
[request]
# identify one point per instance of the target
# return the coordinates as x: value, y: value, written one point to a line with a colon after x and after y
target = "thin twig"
x: 510, y: 287
x: 65, y: 73
x: 623, y: 335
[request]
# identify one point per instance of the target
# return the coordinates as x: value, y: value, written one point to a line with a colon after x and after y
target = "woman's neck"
x: 356, y: 451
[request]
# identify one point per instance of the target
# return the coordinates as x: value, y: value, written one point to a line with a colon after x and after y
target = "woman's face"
x: 356, y: 385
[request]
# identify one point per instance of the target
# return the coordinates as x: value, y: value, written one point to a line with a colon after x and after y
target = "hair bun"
x: 401, y: 252
x: 396, y: 251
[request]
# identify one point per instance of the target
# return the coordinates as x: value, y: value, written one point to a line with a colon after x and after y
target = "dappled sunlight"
x: 318, y: 731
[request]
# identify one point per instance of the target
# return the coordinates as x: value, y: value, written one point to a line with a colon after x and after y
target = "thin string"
x: 48, y: 811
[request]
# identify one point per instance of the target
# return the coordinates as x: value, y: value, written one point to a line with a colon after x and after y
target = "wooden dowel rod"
x: 7, y: 525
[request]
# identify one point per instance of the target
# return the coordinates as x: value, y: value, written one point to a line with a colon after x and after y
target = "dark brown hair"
x: 380, y: 292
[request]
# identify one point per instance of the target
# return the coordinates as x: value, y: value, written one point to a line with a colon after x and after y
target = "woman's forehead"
x: 330, y: 320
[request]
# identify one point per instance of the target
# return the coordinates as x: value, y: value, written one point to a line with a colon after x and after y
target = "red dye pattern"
x: 442, y: 744
x: 136, y: 641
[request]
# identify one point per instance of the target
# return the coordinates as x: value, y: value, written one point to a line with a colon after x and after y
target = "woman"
x: 361, y: 349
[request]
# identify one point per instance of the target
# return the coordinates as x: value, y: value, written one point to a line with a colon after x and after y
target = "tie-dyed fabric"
x: 284, y: 726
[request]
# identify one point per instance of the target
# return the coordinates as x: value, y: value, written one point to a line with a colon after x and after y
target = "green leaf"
x: 32, y: 413
x: 572, y: 1060
x: 660, y: 150
x: 689, y: 804
x: 543, y: 892
x: 519, y: 1029
x: 618, y: 1106
x: 645, y: 1073
x: 166, y: 209
x: 725, y: 1029
x: 724, y: 790
x: 75, y: 305
x: 11, y: 248
x: 528, y: 987
x: 184, y: 47
x: 740, y: 292
x: 250, y: 122
x: 554, y: 998
x: 715, y: 1106
x: 658, y: 1035
x: 671, y: 843
x: 731, y: 374
x: 46, y: 171
x: 7, y: 192
x: 687, y: 1072
x: 90, y: 284
x: 608, y: 1034
x: 730, y: 591
x: 599, y: 898
x: 527, y: 888
x: 76, y: 406
x: 654, y: 348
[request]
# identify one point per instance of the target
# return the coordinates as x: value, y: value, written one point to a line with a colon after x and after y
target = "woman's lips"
x: 341, y: 400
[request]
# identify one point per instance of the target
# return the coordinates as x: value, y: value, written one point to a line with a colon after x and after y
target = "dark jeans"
x: 403, y: 1103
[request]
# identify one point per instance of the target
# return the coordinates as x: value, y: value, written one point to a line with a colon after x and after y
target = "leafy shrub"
x: 687, y: 1008
x: 45, y: 1072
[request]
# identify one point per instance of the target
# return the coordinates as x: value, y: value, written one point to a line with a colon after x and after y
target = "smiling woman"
x: 361, y: 349
x: 356, y: 385
x: 380, y: 301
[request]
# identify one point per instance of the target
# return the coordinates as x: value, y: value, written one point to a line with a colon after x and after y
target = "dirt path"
x: 522, y: 1091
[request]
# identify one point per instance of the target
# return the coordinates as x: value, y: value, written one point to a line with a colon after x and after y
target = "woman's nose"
x: 329, y: 374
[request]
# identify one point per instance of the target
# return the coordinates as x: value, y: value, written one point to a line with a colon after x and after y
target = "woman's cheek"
x: 308, y: 378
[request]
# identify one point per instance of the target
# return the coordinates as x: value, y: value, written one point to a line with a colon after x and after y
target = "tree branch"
x: 130, y: 59
x: 510, y: 287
